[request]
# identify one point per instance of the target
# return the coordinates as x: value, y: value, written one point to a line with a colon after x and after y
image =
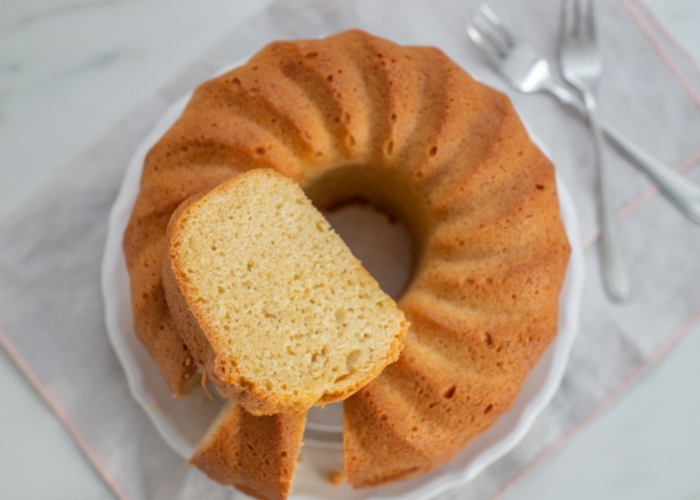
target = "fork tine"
x: 483, y: 44
x: 569, y: 20
x: 491, y: 38
x: 590, y: 21
x: 496, y: 22
x: 490, y: 34
x: 579, y: 19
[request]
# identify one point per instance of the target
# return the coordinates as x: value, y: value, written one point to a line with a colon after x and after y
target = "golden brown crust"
x: 354, y: 115
x: 152, y: 320
x: 144, y: 248
x: 482, y: 312
x: 257, y: 455
x: 187, y: 326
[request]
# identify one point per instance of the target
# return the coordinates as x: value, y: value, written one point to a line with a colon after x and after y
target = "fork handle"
x: 615, y: 275
x: 684, y: 194
x: 679, y: 190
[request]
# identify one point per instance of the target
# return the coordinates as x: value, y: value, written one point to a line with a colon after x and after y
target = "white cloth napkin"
x: 51, y: 247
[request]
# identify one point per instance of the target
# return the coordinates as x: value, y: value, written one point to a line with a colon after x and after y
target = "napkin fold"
x: 51, y: 314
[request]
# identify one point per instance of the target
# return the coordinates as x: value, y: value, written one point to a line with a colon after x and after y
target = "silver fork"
x: 528, y: 71
x: 582, y: 67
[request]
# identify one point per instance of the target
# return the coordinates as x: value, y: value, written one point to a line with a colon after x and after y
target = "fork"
x: 582, y: 66
x: 528, y: 71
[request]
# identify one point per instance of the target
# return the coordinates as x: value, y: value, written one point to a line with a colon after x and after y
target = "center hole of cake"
x: 381, y: 242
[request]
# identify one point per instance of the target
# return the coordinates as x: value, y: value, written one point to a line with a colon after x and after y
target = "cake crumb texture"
x: 288, y: 316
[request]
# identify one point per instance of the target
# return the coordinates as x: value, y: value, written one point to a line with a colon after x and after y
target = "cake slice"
x: 257, y: 455
x: 274, y: 308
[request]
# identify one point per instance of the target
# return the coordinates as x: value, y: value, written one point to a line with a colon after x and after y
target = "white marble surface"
x: 70, y: 69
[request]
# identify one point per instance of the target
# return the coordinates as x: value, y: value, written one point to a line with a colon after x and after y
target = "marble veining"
x: 69, y: 8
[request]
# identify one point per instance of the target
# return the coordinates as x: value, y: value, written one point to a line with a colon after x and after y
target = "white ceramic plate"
x: 182, y: 422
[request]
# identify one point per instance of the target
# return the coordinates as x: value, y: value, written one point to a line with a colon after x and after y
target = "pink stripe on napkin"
x: 62, y: 415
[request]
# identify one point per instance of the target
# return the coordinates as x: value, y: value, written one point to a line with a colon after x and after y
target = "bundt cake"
x: 355, y: 116
x: 274, y: 308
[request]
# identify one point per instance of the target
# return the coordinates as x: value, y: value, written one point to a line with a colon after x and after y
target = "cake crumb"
x: 336, y: 478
